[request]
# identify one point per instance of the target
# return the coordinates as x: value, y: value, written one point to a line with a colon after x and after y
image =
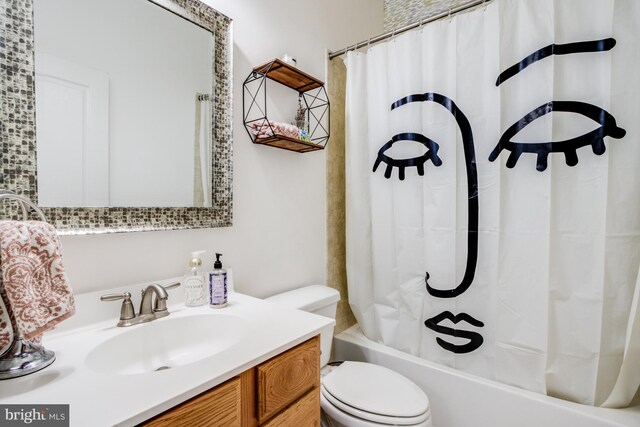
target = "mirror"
x: 132, y: 102
x: 122, y: 107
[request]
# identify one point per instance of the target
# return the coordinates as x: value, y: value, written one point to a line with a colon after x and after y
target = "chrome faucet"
x: 147, y: 297
x: 128, y: 315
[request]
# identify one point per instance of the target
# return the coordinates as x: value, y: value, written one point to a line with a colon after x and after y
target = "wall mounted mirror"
x: 118, y: 113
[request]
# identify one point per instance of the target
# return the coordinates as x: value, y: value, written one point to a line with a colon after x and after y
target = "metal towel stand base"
x: 24, y: 358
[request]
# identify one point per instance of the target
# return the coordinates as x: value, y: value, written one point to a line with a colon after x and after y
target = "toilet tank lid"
x: 308, y: 298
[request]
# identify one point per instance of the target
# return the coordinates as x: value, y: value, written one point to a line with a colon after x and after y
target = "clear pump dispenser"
x: 194, y: 282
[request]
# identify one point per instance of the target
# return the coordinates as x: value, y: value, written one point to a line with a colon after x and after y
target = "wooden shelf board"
x: 292, y: 144
x: 288, y: 75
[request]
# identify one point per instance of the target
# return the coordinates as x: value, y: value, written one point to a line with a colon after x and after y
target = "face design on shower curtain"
x: 595, y: 138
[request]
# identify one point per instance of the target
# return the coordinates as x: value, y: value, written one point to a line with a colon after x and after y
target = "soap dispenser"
x: 217, y: 285
x: 194, y: 282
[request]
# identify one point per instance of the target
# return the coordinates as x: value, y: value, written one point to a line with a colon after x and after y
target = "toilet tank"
x: 317, y: 299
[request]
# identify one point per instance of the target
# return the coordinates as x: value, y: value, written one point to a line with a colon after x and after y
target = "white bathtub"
x: 463, y: 400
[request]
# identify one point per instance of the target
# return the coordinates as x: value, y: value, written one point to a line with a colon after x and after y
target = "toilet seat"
x: 373, y: 417
x: 375, y: 394
x: 338, y: 418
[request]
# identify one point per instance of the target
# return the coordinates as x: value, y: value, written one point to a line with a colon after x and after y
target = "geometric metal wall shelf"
x: 312, y: 93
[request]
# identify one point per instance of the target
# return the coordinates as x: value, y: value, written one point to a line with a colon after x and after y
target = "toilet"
x: 357, y: 394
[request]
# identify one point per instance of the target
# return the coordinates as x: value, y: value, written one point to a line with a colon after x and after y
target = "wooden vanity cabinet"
x: 283, y: 391
x: 220, y: 406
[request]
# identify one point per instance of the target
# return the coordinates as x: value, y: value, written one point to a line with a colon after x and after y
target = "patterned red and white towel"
x: 266, y: 129
x: 34, y: 288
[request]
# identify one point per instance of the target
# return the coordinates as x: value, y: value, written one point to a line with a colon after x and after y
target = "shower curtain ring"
x: 369, y: 42
x: 449, y: 15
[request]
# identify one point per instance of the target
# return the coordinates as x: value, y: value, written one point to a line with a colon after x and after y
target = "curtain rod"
x: 406, y: 28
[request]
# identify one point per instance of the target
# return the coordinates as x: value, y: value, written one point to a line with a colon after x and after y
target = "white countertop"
x: 98, y: 399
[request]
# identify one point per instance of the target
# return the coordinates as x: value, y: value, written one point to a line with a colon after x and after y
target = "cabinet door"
x: 304, y: 413
x: 287, y: 377
x: 220, y: 406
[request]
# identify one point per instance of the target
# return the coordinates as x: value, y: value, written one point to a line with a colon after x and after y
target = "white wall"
x: 278, y: 239
x: 156, y: 63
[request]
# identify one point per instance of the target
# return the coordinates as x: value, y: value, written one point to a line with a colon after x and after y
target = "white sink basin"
x: 166, y: 343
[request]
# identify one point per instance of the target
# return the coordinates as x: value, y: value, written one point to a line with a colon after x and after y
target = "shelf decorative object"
x: 310, y: 131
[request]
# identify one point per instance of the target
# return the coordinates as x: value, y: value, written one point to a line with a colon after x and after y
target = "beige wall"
x: 336, y: 250
x: 279, y: 236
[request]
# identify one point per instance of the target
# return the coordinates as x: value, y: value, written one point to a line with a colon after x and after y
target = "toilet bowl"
x: 357, y: 394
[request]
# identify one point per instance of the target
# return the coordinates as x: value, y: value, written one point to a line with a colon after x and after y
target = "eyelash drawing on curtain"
x: 401, y: 164
x: 595, y: 138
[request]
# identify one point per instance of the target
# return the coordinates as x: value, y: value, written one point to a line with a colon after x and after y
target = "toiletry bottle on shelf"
x: 194, y: 282
x: 217, y: 285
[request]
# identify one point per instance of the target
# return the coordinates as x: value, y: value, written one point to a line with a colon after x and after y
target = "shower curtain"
x: 203, y: 151
x: 493, y: 195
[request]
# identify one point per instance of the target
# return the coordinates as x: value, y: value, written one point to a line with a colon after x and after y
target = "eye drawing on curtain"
x: 475, y: 339
x: 595, y: 138
x: 401, y: 164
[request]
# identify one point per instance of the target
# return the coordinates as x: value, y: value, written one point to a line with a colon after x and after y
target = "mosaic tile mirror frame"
x: 18, y: 133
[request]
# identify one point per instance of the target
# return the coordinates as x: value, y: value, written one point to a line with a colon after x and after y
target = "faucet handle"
x: 127, y: 311
x: 171, y: 286
x: 115, y: 297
